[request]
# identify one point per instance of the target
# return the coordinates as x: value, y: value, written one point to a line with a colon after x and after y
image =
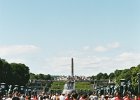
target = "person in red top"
x: 68, y: 97
x: 138, y: 98
x: 118, y: 96
x: 127, y: 96
x: 84, y: 97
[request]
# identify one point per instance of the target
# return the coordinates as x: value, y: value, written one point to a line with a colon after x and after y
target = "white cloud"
x: 17, y: 49
x: 16, y: 60
x: 100, y: 49
x: 129, y: 58
x: 19, y: 53
x: 90, y: 65
x: 86, y: 61
x: 83, y: 66
x: 60, y: 61
x: 114, y: 45
x: 56, y: 65
x: 126, y: 56
x: 86, y: 48
x: 107, y: 47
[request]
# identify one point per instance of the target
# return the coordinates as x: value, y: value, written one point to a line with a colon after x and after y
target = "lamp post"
x: 138, y: 74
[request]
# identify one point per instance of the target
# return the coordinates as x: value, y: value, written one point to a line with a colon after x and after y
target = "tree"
x: 5, y: 72
x: 20, y: 74
x: 105, y: 76
x: 48, y: 77
x: 32, y: 76
x: 13, y: 73
x: 111, y: 76
x: 41, y: 76
x: 99, y: 76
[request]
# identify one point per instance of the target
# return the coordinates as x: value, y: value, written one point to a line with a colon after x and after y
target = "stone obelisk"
x: 72, y: 68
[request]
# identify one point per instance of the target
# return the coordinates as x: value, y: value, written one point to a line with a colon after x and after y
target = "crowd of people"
x: 70, y: 96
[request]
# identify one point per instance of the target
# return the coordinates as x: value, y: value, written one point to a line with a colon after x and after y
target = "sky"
x: 101, y: 35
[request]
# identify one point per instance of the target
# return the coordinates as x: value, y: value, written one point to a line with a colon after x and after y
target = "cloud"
x: 101, y: 49
x: 19, y: 53
x: 107, y: 47
x: 56, y: 66
x: 82, y: 66
x: 113, y: 45
x: 128, y: 58
x: 17, y: 50
x: 86, y: 60
x: 90, y: 64
x: 86, y: 48
x: 60, y: 61
x: 16, y: 60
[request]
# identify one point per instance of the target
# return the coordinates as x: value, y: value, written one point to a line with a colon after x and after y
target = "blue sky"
x: 101, y: 35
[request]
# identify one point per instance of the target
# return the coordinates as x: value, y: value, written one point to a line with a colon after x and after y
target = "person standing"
x: 16, y: 96
x: 118, y: 96
x: 62, y: 96
x: 9, y: 97
x: 74, y: 96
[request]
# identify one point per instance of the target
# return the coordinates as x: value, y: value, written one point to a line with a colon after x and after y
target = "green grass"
x: 59, y: 85
x: 83, y: 86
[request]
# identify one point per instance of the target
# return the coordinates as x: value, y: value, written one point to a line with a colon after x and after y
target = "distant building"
x: 76, y: 78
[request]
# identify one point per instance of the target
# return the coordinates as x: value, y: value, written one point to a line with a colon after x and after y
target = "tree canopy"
x: 127, y: 74
x: 14, y: 73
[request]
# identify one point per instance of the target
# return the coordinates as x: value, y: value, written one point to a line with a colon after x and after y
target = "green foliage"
x: 32, y: 76
x: 5, y: 72
x: 40, y: 77
x: 20, y: 73
x: 100, y: 76
x: 13, y: 73
x: 127, y: 74
x: 111, y: 76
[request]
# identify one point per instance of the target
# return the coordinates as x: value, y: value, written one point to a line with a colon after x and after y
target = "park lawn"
x: 59, y: 85
x: 83, y: 86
